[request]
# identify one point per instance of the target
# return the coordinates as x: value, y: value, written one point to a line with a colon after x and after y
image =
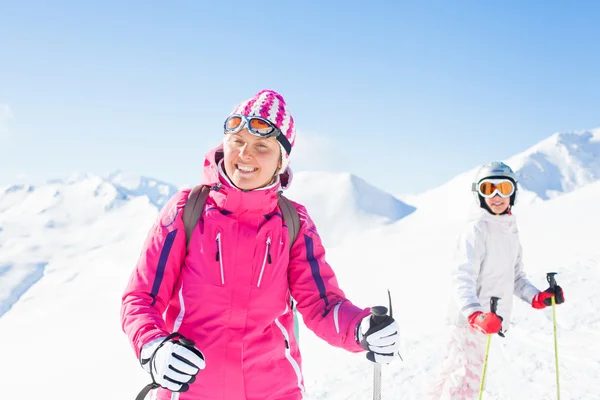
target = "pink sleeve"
x: 152, y: 281
x: 323, y: 305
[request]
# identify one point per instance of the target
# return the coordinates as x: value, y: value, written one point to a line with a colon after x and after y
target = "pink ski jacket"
x: 230, y: 293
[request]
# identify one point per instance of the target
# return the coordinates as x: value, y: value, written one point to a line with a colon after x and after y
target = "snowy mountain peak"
x: 557, y: 165
x: 81, y: 197
x: 158, y: 192
x: 344, y: 203
x: 560, y: 164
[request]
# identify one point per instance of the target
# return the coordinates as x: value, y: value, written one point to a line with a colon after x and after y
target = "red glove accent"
x: 541, y: 300
x: 488, y: 323
x: 544, y: 299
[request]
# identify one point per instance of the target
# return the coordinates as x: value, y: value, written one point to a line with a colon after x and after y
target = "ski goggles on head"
x: 257, y: 126
x: 488, y: 188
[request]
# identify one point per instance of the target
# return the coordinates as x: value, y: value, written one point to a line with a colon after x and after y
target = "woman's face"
x: 251, y: 161
x: 498, y: 204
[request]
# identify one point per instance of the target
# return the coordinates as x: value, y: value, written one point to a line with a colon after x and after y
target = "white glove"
x: 381, y: 339
x: 173, y: 364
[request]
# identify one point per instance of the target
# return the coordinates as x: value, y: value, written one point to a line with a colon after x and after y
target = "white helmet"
x: 494, y: 169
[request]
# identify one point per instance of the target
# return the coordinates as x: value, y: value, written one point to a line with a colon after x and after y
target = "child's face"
x: 498, y: 204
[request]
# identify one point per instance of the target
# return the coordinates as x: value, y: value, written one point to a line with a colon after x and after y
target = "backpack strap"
x: 292, y: 220
x: 197, y: 199
x: 193, y: 210
x: 290, y: 217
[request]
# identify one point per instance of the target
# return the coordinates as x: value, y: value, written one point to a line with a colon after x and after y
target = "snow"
x: 158, y: 192
x: 345, y: 204
x: 67, y: 249
x: 561, y: 163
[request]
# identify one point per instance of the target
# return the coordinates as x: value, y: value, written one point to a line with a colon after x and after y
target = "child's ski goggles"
x: 258, y: 126
x: 488, y: 188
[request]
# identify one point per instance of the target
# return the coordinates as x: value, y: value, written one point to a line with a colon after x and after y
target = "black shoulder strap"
x: 290, y: 217
x: 193, y: 210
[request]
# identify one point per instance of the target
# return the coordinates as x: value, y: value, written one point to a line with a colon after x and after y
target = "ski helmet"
x: 494, y: 170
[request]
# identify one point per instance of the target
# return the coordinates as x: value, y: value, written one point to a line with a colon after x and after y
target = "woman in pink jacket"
x: 215, y: 321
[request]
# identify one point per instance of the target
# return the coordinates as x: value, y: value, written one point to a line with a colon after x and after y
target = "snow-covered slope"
x: 68, y: 323
x: 78, y: 241
x: 41, y: 227
x: 413, y: 259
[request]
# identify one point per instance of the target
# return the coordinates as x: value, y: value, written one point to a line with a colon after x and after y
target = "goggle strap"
x: 285, y: 143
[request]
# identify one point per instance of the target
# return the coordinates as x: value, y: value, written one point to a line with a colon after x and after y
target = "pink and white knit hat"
x: 270, y: 105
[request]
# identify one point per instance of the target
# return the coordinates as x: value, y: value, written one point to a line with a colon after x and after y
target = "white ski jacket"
x: 488, y: 262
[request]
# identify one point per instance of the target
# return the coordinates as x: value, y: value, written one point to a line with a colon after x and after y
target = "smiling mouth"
x: 245, y: 168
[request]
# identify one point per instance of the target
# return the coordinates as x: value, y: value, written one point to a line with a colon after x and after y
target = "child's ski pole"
x: 493, y: 307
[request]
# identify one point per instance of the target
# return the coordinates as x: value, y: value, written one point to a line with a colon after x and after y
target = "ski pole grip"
x: 378, y: 314
x: 494, y: 308
x: 494, y: 304
x: 551, y: 279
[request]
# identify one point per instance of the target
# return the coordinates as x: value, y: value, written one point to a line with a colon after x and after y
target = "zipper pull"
x: 218, y: 253
x: 268, y: 250
x: 216, y: 187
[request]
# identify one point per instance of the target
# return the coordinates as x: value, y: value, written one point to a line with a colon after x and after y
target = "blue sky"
x: 404, y: 94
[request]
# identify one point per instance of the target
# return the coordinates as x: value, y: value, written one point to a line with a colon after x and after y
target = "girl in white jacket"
x: 488, y: 264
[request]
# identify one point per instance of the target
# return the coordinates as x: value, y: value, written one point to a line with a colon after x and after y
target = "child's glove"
x: 544, y: 299
x: 488, y: 323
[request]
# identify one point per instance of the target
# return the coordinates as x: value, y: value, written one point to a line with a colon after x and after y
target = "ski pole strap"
x: 144, y: 392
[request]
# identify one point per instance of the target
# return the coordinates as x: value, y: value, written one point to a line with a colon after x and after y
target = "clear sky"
x: 404, y: 94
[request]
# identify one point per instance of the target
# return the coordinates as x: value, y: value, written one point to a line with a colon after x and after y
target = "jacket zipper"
x: 220, y: 258
x: 265, y: 260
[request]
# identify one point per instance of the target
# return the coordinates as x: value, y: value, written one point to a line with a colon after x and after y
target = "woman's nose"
x: 244, y: 153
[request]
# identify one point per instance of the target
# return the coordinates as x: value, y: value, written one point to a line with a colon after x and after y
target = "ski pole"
x: 552, y: 282
x: 493, y: 308
x: 378, y: 314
